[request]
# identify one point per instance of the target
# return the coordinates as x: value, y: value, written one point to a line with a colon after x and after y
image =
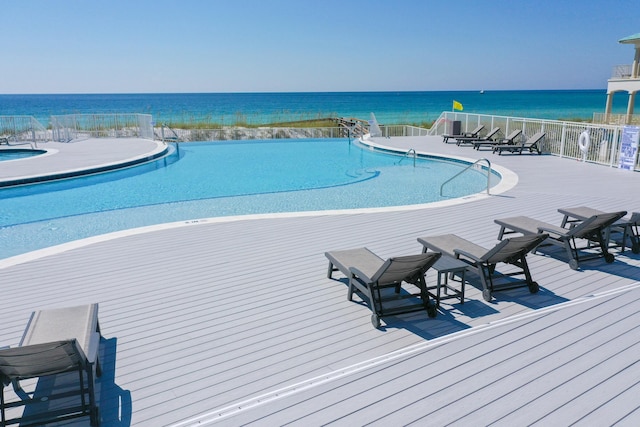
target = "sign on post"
x: 629, y: 147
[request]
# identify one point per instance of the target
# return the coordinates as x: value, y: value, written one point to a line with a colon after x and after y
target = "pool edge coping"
x: 509, y: 179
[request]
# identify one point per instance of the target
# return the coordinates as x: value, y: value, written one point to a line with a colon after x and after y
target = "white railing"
x: 621, y: 71
x: 561, y: 138
x: 22, y: 130
x: 616, y: 119
x: 242, y: 133
x: 82, y: 126
x: 402, y: 130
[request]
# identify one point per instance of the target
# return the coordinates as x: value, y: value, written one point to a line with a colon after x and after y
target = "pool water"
x: 209, y: 179
x: 17, y: 153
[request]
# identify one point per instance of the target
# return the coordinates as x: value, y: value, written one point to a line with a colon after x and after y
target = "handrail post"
x: 488, y: 177
x: 468, y: 167
x: 406, y: 154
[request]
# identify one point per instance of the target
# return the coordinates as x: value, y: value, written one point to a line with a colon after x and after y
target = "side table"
x: 446, y: 266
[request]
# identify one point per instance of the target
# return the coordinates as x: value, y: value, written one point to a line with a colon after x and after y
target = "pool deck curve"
x: 235, y: 322
x: 76, y: 158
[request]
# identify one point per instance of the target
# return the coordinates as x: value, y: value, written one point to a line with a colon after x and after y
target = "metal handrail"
x: 472, y: 165
x: 174, y: 138
x: 409, y: 151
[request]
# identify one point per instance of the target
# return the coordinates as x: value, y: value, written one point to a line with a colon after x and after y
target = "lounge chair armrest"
x: 94, y: 344
x: 356, y: 272
x: 550, y: 231
x: 466, y: 254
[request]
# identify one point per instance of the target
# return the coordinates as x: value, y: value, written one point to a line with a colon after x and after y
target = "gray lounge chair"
x: 510, y: 251
x: 593, y: 230
x: 54, y: 342
x: 369, y: 274
x: 473, y: 139
x: 625, y: 228
x: 532, y: 144
x: 507, y: 140
x: 473, y: 134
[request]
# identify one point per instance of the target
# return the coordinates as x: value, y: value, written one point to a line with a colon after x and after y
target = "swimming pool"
x: 210, y: 179
x: 18, y: 153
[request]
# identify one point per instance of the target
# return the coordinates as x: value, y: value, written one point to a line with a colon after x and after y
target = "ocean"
x: 265, y: 108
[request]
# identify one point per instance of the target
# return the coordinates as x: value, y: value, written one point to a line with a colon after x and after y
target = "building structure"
x: 625, y: 78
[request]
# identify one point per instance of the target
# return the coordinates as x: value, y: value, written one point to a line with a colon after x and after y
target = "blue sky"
x: 139, y: 46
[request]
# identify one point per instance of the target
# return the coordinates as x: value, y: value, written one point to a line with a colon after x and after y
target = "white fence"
x: 561, y: 138
x: 82, y: 126
x: 616, y: 119
x: 22, y: 130
x: 240, y: 133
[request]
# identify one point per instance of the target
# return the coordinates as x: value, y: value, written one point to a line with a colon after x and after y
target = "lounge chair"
x: 626, y: 228
x: 473, y: 134
x: 510, y: 251
x: 532, y: 144
x: 474, y: 139
x: 507, y: 140
x: 54, y: 342
x: 593, y: 230
x: 369, y: 274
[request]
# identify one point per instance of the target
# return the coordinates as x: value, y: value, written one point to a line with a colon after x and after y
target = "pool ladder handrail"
x: 165, y: 139
x: 409, y: 151
x: 472, y: 165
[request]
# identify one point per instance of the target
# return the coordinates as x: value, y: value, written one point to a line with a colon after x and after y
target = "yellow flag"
x: 457, y: 105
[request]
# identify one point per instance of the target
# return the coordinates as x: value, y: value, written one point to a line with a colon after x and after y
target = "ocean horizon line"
x: 303, y: 92
x: 390, y: 107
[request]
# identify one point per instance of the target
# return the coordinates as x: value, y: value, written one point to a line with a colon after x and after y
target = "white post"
x: 635, y: 68
x: 614, y: 146
x: 562, y: 139
x: 608, y: 108
x: 632, y: 97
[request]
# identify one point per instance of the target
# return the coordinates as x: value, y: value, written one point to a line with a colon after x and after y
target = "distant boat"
x: 482, y: 91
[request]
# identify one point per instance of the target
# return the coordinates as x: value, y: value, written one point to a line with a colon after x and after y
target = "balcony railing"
x: 621, y: 71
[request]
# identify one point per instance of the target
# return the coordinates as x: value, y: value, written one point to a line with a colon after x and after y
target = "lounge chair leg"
x: 350, y: 292
x: 487, y: 282
x: 574, y: 261
x: 375, y: 321
x: 533, y: 286
x: 609, y: 258
x: 331, y: 270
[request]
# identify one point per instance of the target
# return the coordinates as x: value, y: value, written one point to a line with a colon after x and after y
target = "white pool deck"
x: 234, y: 321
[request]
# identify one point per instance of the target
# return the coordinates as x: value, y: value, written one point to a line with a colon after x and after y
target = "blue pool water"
x: 15, y: 154
x: 209, y: 179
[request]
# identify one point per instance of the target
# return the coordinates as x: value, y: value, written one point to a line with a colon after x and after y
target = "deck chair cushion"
x: 39, y: 360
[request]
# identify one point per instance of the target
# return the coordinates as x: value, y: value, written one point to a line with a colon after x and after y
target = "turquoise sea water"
x: 257, y: 108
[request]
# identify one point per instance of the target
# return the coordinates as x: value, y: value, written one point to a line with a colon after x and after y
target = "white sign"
x: 629, y: 147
